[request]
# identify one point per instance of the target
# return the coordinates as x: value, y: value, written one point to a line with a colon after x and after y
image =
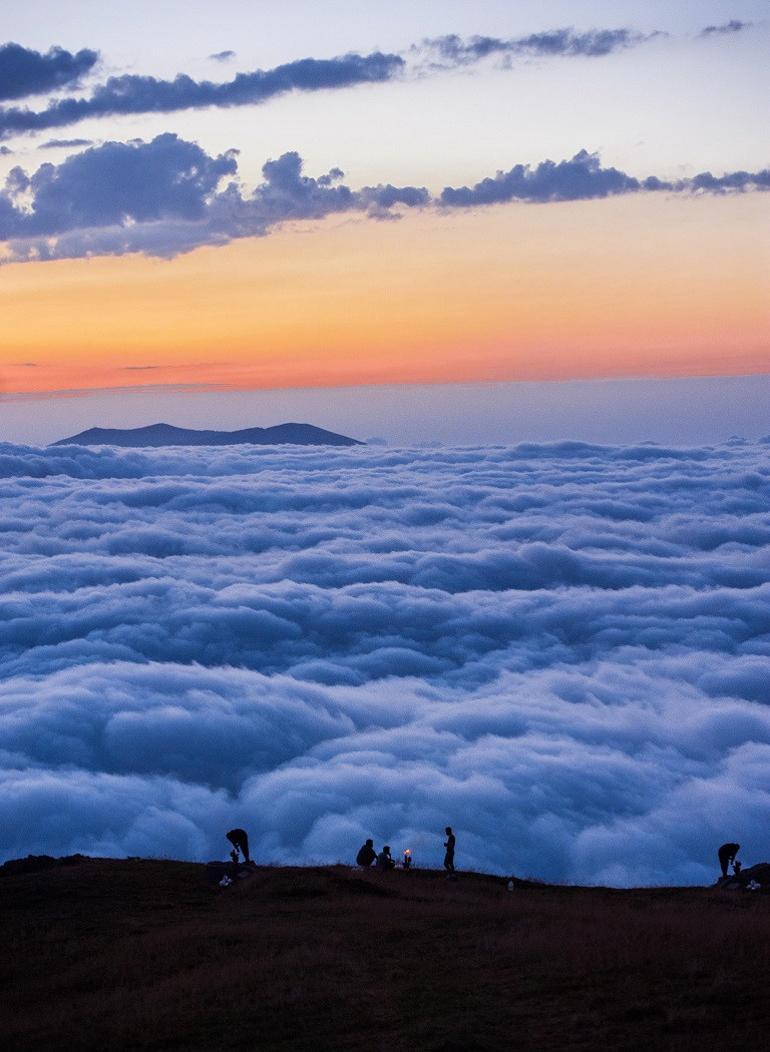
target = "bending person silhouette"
x: 726, y: 855
x: 367, y: 854
x: 240, y: 841
x: 449, y: 844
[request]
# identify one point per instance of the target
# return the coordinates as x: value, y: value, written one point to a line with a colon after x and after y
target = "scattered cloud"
x: 57, y: 144
x: 733, y: 26
x: 716, y: 184
x: 452, y: 50
x: 559, y: 649
x: 580, y: 178
x: 169, y: 196
x: 26, y: 72
x: 131, y: 93
x: 583, y: 178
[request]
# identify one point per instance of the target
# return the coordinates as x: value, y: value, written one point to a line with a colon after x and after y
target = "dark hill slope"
x: 145, y: 954
x: 168, y: 435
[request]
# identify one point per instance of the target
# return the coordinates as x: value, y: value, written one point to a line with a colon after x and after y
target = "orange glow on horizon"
x: 643, y: 286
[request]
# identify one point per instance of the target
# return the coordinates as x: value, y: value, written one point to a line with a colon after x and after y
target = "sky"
x: 224, y: 209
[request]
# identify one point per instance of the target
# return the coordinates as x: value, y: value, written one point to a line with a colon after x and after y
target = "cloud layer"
x: 165, y: 197
x: 583, y: 177
x: 169, y: 196
x: 561, y: 650
x: 132, y: 93
x: 26, y: 72
x: 452, y: 50
x: 733, y: 26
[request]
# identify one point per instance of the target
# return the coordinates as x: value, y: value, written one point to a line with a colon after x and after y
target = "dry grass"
x: 144, y: 954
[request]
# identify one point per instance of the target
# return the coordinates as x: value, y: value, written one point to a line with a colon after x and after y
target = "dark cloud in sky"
x: 458, y: 51
x: 733, y: 26
x: 583, y: 178
x: 169, y: 196
x: 560, y: 649
x: 709, y: 183
x: 131, y: 93
x: 580, y: 178
x: 117, y: 181
x: 57, y: 144
x: 26, y: 72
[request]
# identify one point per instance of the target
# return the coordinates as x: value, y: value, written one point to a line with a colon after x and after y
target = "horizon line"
x: 223, y: 388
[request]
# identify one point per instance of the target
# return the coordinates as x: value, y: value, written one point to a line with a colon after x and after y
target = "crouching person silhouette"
x: 367, y: 854
x: 240, y: 841
x: 726, y: 855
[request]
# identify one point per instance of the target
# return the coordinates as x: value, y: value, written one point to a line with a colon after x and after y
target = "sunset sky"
x: 391, y: 239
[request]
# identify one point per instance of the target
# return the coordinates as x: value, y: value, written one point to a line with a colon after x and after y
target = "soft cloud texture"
x: 733, y: 26
x: 583, y: 177
x: 21, y: 70
x: 562, y: 650
x: 169, y: 196
x: 58, y: 144
x: 452, y: 50
x: 131, y: 93
x: 27, y: 72
x: 580, y: 178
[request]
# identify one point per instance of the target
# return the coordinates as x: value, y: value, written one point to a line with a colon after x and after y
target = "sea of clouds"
x: 561, y: 650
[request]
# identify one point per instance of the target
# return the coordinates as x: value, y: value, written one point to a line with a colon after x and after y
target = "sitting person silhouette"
x: 726, y: 855
x: 367, y: 854
x: 384, y: 860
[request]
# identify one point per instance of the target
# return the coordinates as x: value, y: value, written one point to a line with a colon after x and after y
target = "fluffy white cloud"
x: 561, y: 650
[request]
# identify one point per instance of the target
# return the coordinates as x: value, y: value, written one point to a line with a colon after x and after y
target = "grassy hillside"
x: 146, y: 954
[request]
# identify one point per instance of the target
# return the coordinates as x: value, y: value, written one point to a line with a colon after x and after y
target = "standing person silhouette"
x: 449, y: 844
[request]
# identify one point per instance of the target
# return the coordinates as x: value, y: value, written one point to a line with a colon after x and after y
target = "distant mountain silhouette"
x: 168, y: 435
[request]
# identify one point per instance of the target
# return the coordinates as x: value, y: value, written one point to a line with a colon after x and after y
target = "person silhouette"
x: 367, y: 854
x: 240, y: 841
x: 449, y: 844
x: 384, y: 859
x: 726, y: 855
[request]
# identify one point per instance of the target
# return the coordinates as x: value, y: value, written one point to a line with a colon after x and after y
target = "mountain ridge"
x: 163, y: 434
x: 150, y: 954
